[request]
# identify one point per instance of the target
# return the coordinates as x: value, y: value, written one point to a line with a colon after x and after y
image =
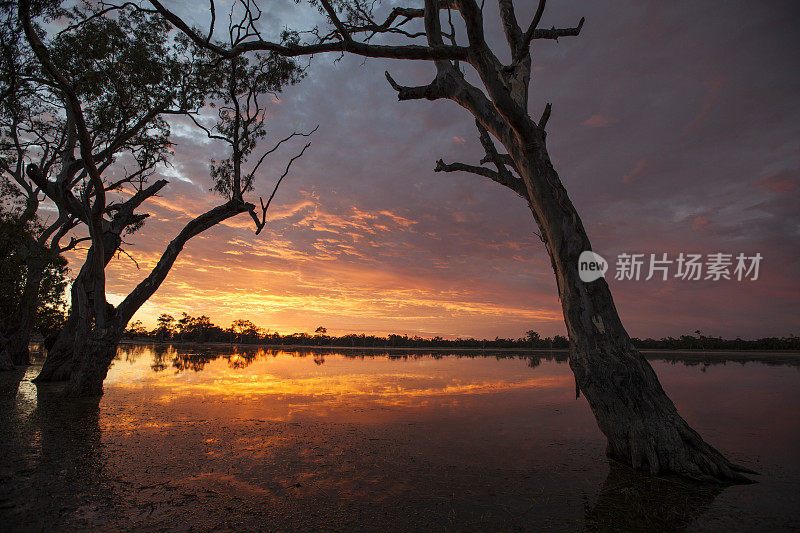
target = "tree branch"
x: 510, y: 25
x: 264, y: 207
x: 433, y: 91
x: 428, y: 53
x: 441, y: 166
x: 153, y: 281
x: 555, y: 33
x: 545, y: 115
x: 537, y: 17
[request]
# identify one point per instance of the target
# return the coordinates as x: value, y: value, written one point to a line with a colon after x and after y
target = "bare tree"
x: 641, y: 423
x: 237, y: 85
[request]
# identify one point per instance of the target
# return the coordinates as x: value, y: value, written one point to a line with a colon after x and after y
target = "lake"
x: 193, y: 437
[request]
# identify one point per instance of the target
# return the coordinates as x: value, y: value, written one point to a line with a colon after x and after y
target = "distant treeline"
x: 200, y: 330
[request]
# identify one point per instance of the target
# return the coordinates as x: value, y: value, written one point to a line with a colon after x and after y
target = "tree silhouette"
x: 180, y: 76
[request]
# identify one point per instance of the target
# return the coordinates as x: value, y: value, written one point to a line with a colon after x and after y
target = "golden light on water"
x: 281, y: 385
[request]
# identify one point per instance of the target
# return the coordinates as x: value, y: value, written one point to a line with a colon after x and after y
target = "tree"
x: 47, y: 306
x: 165, y: 326
x: 121, y: 108
x: 641, y: 423
x: 136, y: 329
x: 31, y: 130
x: 244, y: 329
x: 236, y: 86
x: 533, y: 337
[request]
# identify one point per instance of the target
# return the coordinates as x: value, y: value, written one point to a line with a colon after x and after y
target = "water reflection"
x: 287, y: 385
x: 631, y: 501
x: 203, y: 437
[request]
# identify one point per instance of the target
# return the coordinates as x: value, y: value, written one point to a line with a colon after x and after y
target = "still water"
x: 227, y: 438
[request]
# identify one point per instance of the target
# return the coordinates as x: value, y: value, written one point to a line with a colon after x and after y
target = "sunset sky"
x: 675, y: 128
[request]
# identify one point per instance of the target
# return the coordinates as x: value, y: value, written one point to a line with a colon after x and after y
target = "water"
x: 329, y: 439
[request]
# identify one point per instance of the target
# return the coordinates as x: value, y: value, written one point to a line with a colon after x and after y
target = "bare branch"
x: 264, y: 207
x: 504, y: 159
x: 213, y: 20
x: 518, y: 188
x: 433, y: 91
x: 73, y: 242
x: 510, y: 25
x: 278, y: 144
x: 428, y: 53
x: 537, y: 17
x: 129, y: 256
x: 545, y: 115
x: 555, y: 33
x: 492, y: 155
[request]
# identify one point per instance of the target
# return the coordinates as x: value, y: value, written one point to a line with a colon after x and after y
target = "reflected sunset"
x: 328, y: 436
x: 332, y: 385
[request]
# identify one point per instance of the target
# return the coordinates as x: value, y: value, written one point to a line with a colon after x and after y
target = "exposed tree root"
x: 679, y: 450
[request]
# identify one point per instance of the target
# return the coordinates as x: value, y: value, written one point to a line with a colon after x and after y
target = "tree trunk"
x: 92, y: 366
x: 641, y: 423
x: 60, y: 359
x: 58, y: 364
x: 18, y: 342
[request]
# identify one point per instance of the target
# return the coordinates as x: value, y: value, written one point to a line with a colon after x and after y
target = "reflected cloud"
x: 289, y: 384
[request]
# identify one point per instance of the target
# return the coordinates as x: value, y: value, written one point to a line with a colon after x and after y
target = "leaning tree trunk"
x: 641, y: 423
x: 19, y: 340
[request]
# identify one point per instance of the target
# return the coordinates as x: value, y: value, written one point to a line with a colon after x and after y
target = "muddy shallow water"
x: 233, y: 439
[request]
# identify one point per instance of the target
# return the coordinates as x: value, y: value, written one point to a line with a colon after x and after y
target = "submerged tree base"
x: 643, y: 428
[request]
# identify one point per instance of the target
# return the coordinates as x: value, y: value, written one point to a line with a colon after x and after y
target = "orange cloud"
x: 637, y: 171
x: 780, y: 182
x: 598, y: 121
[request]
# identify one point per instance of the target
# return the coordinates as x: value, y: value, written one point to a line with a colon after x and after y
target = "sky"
x: 675, y: 128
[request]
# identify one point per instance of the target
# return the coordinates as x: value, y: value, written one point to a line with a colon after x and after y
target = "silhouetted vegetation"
x: 17, y: 230
x: 202, y: 330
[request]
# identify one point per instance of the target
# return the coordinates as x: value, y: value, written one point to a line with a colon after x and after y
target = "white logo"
x: 591, y: 266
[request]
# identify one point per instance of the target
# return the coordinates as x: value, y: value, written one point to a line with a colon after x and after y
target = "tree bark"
x: 60, y: 357
x: 91, y: 367
x: 639, y: 420
x: 18, y: 342
x: 57, y: 365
